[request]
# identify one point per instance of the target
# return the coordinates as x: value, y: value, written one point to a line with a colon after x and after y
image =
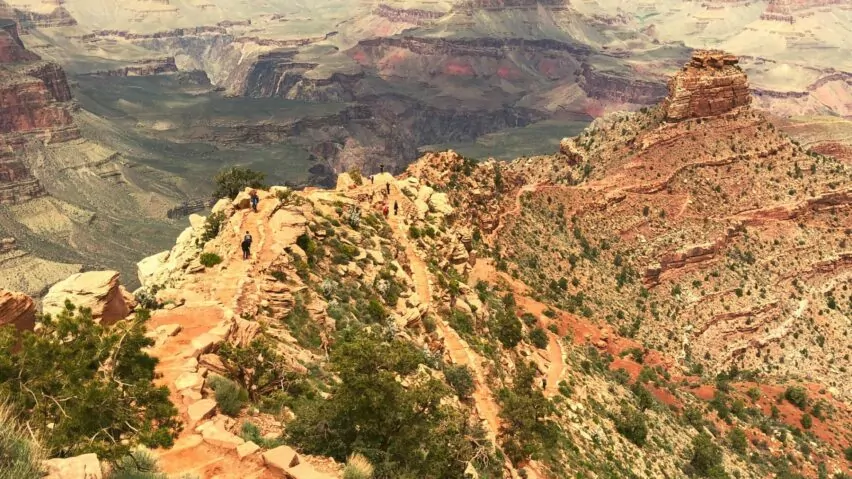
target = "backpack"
x: 247, y: 240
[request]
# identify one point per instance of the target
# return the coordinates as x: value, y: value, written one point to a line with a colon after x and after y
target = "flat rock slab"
x: 216, y: 436
x: 169, y: 330
x: 188, y: 380
x: 201, y: 410
x: 247, y: 449
x: 281, y: 458
x: 204, y: 344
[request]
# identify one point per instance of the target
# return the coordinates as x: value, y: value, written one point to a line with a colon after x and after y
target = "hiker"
x: 254, y: 200
x: 246, y: 244
x: 382, y: 168
x: 372, y: 179
x: 387, y: 187
x: 395, y: 208
x: 544, y: 383
x: 385, y: 211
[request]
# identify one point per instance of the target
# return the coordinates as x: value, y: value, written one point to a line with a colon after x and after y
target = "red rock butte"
x: 711, y: 84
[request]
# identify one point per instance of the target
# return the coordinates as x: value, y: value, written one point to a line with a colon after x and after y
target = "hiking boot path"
x: 457, y: 348
x: 184, y: 333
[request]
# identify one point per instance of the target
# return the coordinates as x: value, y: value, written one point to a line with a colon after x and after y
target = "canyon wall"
x: 35, y: 105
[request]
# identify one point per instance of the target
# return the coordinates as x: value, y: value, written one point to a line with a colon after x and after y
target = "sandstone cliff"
x: 710, y: 84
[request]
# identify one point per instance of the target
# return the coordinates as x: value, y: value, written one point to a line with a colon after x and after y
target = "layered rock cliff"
x: 11, y: 47
x: 34, y: 106
x: 710, y: 84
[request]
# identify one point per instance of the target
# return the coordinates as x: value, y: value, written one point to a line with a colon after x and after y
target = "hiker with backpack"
x: 254, y: 200
x: 246, y: 245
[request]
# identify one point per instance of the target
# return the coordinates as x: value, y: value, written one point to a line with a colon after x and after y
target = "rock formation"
x: 99, y: 291
x: 11, y: 47
x: 17, y: 309
x: 34, y: 106
x: 710, y: 84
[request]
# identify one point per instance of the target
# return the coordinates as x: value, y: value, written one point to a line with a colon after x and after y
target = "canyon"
x: 670, y: 281
x: 158, y: 96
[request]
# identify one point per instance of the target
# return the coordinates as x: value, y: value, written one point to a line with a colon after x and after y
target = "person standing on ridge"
x: 382, y: 168
x: 387, y: 187
x: 395, y: 208
x: 254, y: 200
x: 246, y: 244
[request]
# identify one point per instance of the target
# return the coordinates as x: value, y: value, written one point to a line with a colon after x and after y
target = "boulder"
x: 215, y: 435
x: 281, y: 458
x: 201, y: 410
x: 85, y: 466
x: 203, y: 343
x: 440, y: 202
x: 17, y: 309
x: 197, y: 222
x: 223, y: 206
x: 345, y: 182
x: 189, y: 380
x: 247, y: 449
x: 98, y: 290
x: 244, y: 332
x: 242, y: 201
x: 213, y: 363
x: 149, y: 268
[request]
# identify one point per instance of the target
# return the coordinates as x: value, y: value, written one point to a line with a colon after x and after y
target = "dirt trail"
x: 501, y: 220
x: 485, y: 271
x: 232, y: 287
x: 459, y: 351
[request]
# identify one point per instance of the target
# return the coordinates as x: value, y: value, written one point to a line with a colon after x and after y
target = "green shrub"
x: 621, y: 376
x: 230, y: 397
x: 212, y: 226
x: 231, y: 181
x: 644, y: 398
x: 508, y: 329
x: 797, y: 396
x: 754, y: 393
x: 528, y: 432
x: 108, y: 372
x: 538, y: 337
x: 355, y: 174
x: 358, y: 467
x: 251, y: 432
x: 369, y: 411
x: 706, y: 457
x: 136, y: 465
x: 807, y: 421
x: 738, y: 440
x: 461, y: 379
x: 847, y: 453
x: 20, y: 457
x: 414, y: 232
x: 210, y: 260
x: 461, y: 322
x: 631, y: 424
